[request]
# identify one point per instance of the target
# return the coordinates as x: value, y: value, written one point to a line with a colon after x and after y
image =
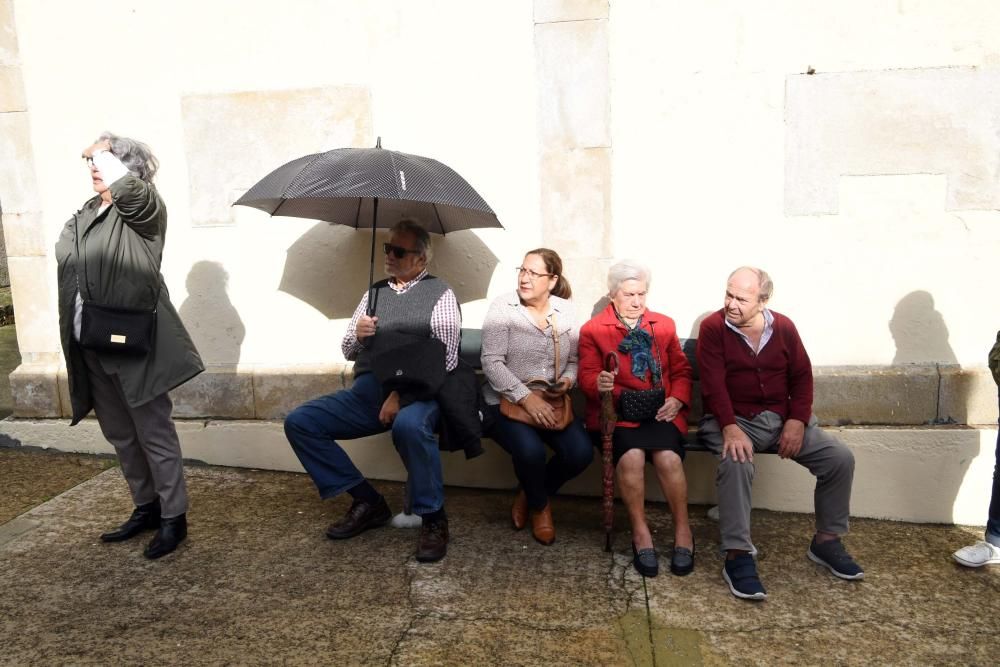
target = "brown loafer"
x: 519, y: 511
x: 432, y: 544
x: 542, y: 528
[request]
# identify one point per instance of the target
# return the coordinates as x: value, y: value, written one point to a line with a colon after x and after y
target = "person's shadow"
x: 210, y: 317
x: 919, y: 332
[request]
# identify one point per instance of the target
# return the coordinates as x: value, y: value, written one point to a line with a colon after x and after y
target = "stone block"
x: 221, y: 391
x: 552, y: 11
x: 968, y: 395
x: 934, y: 121
x: 35, y: 391
x: 221, y: 167
x: 280, y: 389
x: 575, y: 109
x: 37, y: 320
x: 884, y: 395
x: 18, y: 188
x: 8, y: 34
x: 62, y: 384
x: 576, y: 201
x: 24, y: 234
x: 11, y: 89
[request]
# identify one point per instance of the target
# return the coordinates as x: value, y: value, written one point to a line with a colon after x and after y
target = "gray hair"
x: 763, y: 279
x: 628, y: 269
x: 135, y: 155
x: 415, y: 229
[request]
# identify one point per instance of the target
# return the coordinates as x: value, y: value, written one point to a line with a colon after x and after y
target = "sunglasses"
x: 398, y: 252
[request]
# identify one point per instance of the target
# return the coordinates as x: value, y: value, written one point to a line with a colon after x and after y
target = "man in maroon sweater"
x: 757, y: 384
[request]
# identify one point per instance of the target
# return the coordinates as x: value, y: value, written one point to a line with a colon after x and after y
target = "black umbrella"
x: 371, y: 188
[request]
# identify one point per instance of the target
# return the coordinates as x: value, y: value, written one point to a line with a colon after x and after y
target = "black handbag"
x: 639, y: 405
x: 120, y: 330
x: 114, y: 329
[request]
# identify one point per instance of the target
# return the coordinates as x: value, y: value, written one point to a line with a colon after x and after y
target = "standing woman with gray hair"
x: 124, y: 344
x: 653, y: 383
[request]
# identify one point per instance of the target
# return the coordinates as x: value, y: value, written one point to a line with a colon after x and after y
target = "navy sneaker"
x: 835, y: 558
x: 741, y: 575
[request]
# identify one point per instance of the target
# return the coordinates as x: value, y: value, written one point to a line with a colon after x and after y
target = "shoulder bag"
x: 114, y: 328
x: 549, y: 391
x: 643, y: 404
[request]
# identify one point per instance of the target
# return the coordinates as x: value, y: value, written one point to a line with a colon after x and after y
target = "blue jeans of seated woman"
x: 526, y: 446
x: 314, y: 428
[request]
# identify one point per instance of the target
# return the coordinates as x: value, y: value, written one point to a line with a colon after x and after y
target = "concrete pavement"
x: 258, y: 583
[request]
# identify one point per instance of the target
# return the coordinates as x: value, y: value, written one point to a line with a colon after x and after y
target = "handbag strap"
x: 658, y: 359
x: 555, y: 344
x: 76, y: 241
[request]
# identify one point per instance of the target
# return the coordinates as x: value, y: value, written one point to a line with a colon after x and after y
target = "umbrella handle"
x: 611, y: 362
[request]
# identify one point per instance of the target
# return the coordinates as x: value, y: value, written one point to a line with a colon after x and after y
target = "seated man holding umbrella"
x: 415, y: 321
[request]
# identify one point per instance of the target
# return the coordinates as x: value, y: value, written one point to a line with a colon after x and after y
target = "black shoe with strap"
x: 144, y: 517
x: 171, y: 533
x: 360, y: 517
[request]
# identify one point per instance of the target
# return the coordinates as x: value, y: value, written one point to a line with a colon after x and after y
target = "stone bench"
x: 913, y: 429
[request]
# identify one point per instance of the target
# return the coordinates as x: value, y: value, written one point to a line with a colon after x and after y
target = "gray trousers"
x: 144, y: 438
x: 826, y: 457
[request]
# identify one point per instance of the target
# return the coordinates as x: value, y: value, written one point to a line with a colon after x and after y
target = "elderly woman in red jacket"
x: 649, y: 357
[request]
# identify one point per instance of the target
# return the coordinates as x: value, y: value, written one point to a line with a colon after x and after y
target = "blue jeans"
x: 314, y: 428
x: 526, y: 446
x: 993, y: 523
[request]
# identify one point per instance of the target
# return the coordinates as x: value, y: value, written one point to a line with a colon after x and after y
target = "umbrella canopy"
x: 341, y: 186
x: 371, y: 188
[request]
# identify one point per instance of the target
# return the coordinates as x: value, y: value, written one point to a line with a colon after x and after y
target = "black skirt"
x: 650, y: 436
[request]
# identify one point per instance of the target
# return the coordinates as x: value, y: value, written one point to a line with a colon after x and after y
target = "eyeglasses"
x: 532, y: 275
x: 398, y: 252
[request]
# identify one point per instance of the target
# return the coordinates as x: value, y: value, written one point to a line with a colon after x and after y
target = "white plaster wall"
x: 700, y: 127
x: 447, y: 79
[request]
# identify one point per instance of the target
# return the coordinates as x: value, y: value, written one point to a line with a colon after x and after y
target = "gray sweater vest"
x: 401, y: 317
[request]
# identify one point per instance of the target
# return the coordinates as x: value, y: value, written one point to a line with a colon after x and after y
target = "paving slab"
x: 258, y: 583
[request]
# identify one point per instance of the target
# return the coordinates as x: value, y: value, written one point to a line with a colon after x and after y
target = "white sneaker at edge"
x: 977, y: 555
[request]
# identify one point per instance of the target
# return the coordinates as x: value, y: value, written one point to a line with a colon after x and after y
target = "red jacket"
x: 735, y: 382
x: 603, y: 334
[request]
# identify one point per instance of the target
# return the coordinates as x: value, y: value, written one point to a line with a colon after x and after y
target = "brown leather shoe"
x: 360, y: 517
x: 542, y: 527
x: 519, y: 511
x: 432, y: 544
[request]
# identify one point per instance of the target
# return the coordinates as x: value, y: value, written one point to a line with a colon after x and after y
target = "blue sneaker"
x: 833, y: 556
x: 741, y: 575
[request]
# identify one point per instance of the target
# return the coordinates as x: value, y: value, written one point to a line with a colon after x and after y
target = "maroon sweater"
x: 735, y: 382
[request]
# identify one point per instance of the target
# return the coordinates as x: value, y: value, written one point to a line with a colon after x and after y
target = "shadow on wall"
x: 919, y: 332
x: 327, y: 267
x: 921, y: 337
x: 210, y: 317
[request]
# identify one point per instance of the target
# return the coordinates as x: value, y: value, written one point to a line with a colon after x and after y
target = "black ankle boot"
x: 171, y: 533
x: 144, y: 517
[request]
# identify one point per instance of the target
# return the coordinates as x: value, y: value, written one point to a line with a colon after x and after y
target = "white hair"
x: 628, y: 269
x: 135, y: 155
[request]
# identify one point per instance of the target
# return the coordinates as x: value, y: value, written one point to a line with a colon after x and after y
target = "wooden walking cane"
x: 609, y: 419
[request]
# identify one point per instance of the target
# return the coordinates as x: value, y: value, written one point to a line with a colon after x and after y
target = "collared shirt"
x: 443, y: 318
x: 764, y: 337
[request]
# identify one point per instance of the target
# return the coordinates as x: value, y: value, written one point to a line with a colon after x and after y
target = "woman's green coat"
x: 119, y: 265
